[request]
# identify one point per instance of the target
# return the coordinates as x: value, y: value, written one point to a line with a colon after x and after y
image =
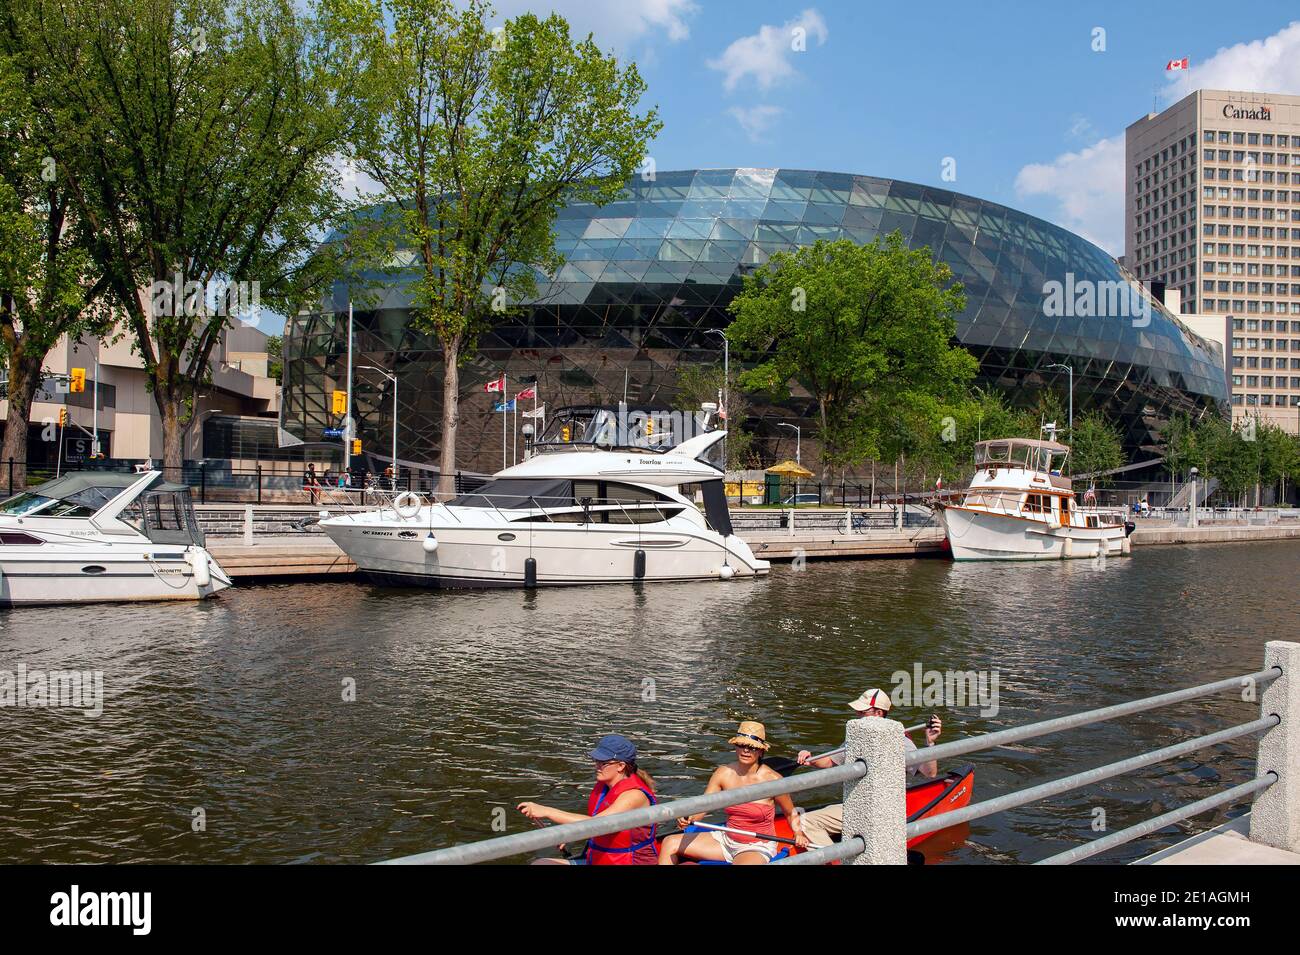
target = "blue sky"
x: 1014, y: 93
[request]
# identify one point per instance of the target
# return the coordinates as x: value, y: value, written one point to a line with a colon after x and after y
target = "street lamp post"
x: 798, y: 438
x: 1071, y: 413
x: 393, y: 378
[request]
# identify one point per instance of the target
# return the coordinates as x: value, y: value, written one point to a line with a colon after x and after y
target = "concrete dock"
x: 1227, y: 844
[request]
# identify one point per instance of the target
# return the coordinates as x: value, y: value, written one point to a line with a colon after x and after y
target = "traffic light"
x: 77, y: 381
x: 340, y: 402
x: 564, y: 433
x: 63, y: 417
x: 649, y: 426
x: 356, y: 445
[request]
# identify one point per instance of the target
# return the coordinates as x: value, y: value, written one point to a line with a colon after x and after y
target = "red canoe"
x: 930, y: 797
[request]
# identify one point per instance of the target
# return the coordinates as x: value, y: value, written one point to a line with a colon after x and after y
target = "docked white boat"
x: 575, y: 512
x: 1019, y: 507
x: 93, y: 537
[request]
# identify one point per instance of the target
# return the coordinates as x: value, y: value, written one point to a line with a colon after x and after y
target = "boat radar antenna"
x: 1049, y: 430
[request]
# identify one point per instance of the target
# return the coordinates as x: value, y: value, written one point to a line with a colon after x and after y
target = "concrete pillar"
x: 1275, y: 817
x: 875, y: 806
x: 248, y: 525
x: 791, y: 522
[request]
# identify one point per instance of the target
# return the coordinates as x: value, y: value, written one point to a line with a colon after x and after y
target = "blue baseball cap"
x: 614, y: 747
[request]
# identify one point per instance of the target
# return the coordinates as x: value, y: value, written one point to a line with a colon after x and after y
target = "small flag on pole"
x: 498, y: 385
x: 1174, y: 66
x: 539, y: 412
x: 527, y: 393
x: 504, y: 405
x: 938, y: 484
x: 1090, y: 495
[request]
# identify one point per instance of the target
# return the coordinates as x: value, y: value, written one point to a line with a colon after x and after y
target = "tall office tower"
x: 1212, y: 210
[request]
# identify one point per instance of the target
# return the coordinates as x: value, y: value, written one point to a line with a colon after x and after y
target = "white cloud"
x: 766, y: 55
x: 615, y: 23
x: 1270, y: 65
x: 1088, y: 189
x: 756, y: 120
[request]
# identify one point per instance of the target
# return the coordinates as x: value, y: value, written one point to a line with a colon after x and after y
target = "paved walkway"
x: 1223, y: 845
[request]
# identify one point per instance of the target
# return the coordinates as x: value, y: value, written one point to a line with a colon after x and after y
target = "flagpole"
x: 514, y: 431
x: 503, y: 422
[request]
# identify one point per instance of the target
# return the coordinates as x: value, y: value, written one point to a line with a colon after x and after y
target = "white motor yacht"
x: 1019, y: 507
x: 92, y: 536
x: 582, y: 509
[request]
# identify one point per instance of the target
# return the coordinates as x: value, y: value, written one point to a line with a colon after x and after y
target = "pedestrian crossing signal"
x: 340, y: 405
x: 77, y: 381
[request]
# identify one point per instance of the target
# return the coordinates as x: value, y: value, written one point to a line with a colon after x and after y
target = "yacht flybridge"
x: 588, y: 506
x: 1019, y: 507
x: 92, y: 537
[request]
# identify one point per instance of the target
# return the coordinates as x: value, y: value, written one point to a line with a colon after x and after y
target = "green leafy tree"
x: 1279, y: 456
x: 1232, y: 458
x: 48, y: 287
x: 1096, y: 446
x: 274, y: 357
x: 868, y: 331
x: 477, y: 137
x: 196, y: 139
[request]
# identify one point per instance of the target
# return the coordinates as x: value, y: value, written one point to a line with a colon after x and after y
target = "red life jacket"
x: 630, y: 846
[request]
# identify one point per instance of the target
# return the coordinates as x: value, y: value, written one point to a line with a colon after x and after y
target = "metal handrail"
x: 975, y: 744
x: 602, y: 825
x: 1106, y: 843
x: 1078, y: 780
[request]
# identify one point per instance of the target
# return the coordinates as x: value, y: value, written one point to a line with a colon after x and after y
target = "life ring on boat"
x: 408, y: 504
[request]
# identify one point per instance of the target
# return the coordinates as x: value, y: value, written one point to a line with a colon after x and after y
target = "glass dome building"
x: 647, y: 276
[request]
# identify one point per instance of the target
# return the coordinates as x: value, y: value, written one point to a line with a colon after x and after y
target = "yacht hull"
x: 83, y: 577
x: 392, y: 553
x: 982, y: 535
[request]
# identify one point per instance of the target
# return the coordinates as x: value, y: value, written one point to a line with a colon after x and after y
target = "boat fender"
x: 1126, y: 546
x: 430, y: 543
x: 407, y: 504
x: 202, y: 571
x: 1067, y: 547
x: 530, y: 572
x: 727, y: 572
x: 638, y: 565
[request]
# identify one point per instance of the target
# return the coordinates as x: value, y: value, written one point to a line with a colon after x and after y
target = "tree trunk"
x: 24, y: 379
x: 450, y: 417
x: 169, y: 407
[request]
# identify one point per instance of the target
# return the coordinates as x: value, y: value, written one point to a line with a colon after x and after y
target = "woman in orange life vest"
x: 620, y: 787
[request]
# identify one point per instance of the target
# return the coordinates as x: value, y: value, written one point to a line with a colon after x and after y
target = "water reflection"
x: 466, y: 702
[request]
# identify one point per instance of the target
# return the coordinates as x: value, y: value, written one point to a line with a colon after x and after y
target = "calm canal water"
x: 466, y: 702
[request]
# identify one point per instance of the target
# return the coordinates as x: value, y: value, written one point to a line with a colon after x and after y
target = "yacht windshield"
x: 652, y: 429
x: 82, y: 503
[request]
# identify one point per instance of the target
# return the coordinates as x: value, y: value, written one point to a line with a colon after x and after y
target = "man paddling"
x: 821, y: 825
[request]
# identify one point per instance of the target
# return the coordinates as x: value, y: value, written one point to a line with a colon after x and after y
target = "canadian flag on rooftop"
x: 1174, y: 65
x: 498, y: 385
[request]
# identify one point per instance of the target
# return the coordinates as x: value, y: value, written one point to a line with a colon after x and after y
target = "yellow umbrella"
x: 790, y: 469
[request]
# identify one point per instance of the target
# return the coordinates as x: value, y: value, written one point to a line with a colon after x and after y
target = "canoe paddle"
x: 785, y: 765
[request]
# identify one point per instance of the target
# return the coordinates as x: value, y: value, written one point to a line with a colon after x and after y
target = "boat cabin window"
x: 20, y: 540
x: 519, y: 493
x: 1038, y: 503
x: 165, y: 517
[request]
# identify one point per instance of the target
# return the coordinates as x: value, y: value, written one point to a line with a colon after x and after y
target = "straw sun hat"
x: 750, y: 733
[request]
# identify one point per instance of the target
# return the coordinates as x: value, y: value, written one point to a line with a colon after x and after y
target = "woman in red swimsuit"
x: 756, y: 817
